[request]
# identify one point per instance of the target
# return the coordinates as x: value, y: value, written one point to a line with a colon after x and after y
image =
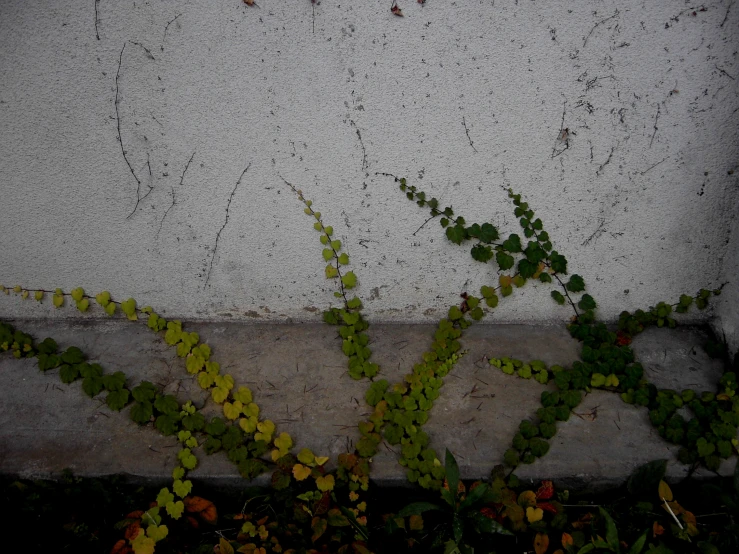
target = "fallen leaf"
x: 541, y: 543
x: 132, y: 531
x: 204, y: 508
x: 567, y: 540
x: 657, y: 529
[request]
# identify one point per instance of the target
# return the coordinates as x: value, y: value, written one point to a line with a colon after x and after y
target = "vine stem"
x: 299, y: 193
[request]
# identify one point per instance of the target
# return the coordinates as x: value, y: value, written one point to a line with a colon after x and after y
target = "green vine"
x: 337, y: 501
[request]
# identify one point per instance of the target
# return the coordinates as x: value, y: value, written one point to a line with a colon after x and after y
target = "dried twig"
x: 218, y: 235
x: 361, y: 142
x: 601, y: 22
x: 656, y: 117
x: 605, y: 163
x: 120, y: 138
x: 726, y: 15
x: 182, y: 178
x: 148, y: 52
x: 164, y: 36
x: 97, y: 34
x: 467, y: 132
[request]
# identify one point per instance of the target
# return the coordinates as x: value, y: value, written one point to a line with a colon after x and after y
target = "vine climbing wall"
x: 145, y: 145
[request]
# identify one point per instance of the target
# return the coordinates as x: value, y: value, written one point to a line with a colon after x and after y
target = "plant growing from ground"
x: 329, y: 507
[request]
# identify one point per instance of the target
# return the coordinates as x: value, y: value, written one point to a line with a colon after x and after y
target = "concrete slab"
x: 298, y: 375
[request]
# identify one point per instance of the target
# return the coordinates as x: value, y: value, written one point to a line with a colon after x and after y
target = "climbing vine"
x: 329, y: 507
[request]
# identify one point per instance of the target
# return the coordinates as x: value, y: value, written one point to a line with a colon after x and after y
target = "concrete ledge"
x: 298, y: 375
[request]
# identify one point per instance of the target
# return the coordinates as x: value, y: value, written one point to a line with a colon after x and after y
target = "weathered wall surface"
x: 463, y: 98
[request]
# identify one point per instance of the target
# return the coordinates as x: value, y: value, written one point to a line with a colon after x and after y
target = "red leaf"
x: 395, y: 10
x: 547, y: 506
x: 546, y: 491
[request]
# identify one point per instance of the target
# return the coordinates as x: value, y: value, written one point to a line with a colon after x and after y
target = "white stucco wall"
x: 640, y: 202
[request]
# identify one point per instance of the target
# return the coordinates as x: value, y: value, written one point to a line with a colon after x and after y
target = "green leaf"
x: 78, y: 294
x: 114, y: 381
x: 645, y: 479
x: 512, y: 243
x: 587, y: 302
x: 504, y: 260
x: 73, y: 355
x: 144, y: 391
x: 611, y: 531
x: 336, y: 245
x: 456, y: 234
x: 452, y: 472
x: 129, y: 308
x: 117, y: 399
x: 344, y: 258
x: 141, y: 412
x: 558, y: 298
x: 639, y: 543
x: 166, y: 404
x: 92, y: 386
x: 182, y: 488
x: 83, y: 305
x: 164, y: 497
x: 110, y: 308
x: 69, y: 373
x: 103, y: 298
x: 328, y: 254
x: 576, y: 284
x: 175, y: 509
x: 481, y: 253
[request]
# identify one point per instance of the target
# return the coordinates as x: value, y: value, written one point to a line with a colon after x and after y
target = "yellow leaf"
x: 232, y: 411
x: 534, y: 514
x: 277, y: 454
x: 353, y: 496
x: 541, y: 542
x: 320, y: 460
x: 248, y: 424
x: 306, y: 456
x: 526, y: 499
x: 219, y: 394
x: 225, y: 547
x: 664, y: 491
x: 505, y: 280
x: 267, y: 427
x: 611, y: 380
x: 300, y: 472
x: 325, y: 483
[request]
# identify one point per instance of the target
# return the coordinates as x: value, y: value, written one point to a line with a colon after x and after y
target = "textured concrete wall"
x: 463, y: 98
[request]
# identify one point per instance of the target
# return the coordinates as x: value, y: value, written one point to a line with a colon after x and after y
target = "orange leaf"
x: 132, y: 531
x: 121, y: 548
x: 541, y: 543
x: 415, y: 523
x: 567, y: 540
x: 657, y: 529
x: 204, y: 508
x: 193, y: 522
x: 135, y: 515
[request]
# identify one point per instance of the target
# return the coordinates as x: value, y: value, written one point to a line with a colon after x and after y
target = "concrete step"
x: 298, y: 376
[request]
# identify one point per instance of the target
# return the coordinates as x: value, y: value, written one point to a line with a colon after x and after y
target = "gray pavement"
x: 298, y: 376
